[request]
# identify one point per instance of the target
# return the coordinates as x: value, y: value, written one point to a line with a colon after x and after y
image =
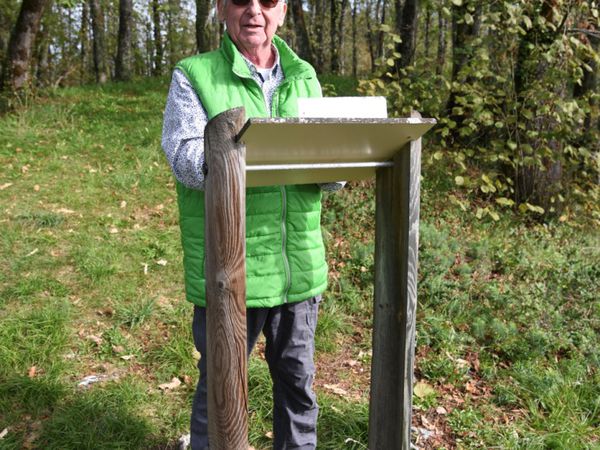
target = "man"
x: 285, y: 258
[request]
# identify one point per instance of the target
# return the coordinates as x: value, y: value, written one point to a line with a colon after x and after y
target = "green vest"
x: 285, y: 256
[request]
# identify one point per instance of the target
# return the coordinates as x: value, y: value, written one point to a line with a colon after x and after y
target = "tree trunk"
x: 406, y: 27
x: 380, y: 12
x: 100, y: 66
x: 319, y: 32
x: 334, y: 30
x: 158, y: 48
x: 354, y: 46
x: 463, y: 34
x: 588, y: 86
x: 441, y: 49
x: 302, y: 40
x: 427, y: 30
x: 370, y: 36
x: 202, y: 40
x: 149, y: 59
x: 15, y: 75
x: 342, y: 34
x: 123, y: 62
x: 83, y: 40
x: 172, y: 38
x: 41, y: 66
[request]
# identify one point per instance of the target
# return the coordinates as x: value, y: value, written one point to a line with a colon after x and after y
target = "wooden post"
x: 225, y: 271
x: 396, y: 252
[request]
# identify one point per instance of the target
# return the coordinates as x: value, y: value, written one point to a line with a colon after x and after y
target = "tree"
x: 354, y: 40
x: 158, y: 47
x: 466, y: 21
x: 318, y: 15
x: 123, y: 62
x: 406, y: 27
x: 99, y: 42
x: 342, y: 34
x: 334, y: 55
x: 202, y: 39
x: 302, y: 40
x: 83, y: 40
x: 441, y: 49
x: 15, y: 74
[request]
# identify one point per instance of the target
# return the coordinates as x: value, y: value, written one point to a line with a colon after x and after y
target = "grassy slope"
x: 508, y: 323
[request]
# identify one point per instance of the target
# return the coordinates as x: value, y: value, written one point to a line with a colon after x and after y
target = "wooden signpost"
x: 296, y: 151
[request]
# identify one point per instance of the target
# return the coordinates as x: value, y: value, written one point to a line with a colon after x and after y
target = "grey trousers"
x: 289, y: 331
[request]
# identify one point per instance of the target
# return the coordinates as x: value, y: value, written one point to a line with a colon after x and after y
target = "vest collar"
x: 293, y: 67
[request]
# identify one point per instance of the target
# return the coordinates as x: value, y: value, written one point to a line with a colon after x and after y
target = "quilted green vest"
x: 285, y: 256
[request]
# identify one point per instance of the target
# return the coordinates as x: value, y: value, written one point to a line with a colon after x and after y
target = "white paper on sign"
x: 343, y: 107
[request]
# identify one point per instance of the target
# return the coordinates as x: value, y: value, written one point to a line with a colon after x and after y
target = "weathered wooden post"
x: 225, y: 271
x: 396, y: 257
x: 299, y: 151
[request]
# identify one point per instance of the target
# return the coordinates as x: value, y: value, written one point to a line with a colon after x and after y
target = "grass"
x: 91, y: 284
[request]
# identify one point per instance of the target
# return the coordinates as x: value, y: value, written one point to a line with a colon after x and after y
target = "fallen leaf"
x: 474, y: 359
x: 423, y: 389
x: 25, y: 169
x: 471, y: 386
x: 427, y: 424
x: 173, y: 384
x: 33, y: 252
x: 29, y: 441
x: 461, y: 362
x: 123, y: 204
x: 161, y: 262
x: 127, y: 357
x: 441, y: 410
x: 95, y: 339
x: 269, y: 434
x: 31, y: 371
x: 336, y: 389
x: 5, y: 185
x: 187, y: 379
x: 3, y: 433
x: 118, y: 348
x: 106, y: 312
x: 90, y: 379
x: 113, y: 230
x: 36, y: 188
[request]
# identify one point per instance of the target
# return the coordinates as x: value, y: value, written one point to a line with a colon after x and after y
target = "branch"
x: 590, y: 33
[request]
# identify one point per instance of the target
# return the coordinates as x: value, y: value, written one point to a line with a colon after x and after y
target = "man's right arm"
x: 183, y: 132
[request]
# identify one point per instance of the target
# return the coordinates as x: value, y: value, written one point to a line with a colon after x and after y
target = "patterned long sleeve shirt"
x: 185, y: 119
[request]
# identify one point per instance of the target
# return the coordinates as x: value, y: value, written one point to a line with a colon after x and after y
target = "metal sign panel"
x: 307, y: 150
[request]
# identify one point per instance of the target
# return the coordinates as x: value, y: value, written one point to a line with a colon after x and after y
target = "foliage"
x: 508, y: 315
x: 511, y: 125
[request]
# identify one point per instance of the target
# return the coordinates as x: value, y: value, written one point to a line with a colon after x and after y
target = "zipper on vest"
x: 286, y: 263
x: 274, y: 111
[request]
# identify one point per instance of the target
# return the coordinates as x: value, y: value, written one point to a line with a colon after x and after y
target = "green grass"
x: 508, y: 321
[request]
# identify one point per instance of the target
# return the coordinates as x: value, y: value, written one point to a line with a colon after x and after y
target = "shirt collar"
x: 264, y: 75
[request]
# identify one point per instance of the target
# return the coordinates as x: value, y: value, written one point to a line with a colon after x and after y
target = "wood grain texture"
x: 225, y: 271
x: 396, y: 258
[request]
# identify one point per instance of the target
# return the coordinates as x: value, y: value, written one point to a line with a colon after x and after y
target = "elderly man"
x: 285, y: 260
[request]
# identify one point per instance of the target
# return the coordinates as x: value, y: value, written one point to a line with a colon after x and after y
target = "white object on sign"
x: 343, y: 107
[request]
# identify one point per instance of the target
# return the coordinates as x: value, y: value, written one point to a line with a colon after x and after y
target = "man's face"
x: 252, y: 26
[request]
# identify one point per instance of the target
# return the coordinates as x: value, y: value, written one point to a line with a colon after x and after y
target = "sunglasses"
x: 268, y: 4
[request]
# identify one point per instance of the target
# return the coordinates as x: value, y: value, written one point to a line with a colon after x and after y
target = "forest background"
x: 513, y: 84
x: 509, y: 315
